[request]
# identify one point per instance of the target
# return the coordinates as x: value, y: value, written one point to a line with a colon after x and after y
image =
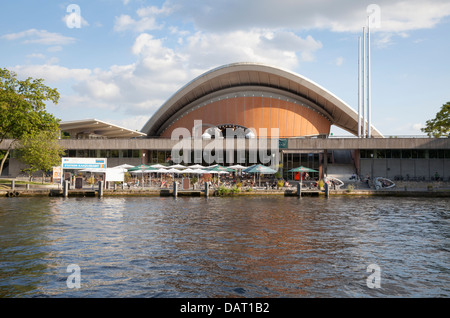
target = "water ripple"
x: 224, y: 247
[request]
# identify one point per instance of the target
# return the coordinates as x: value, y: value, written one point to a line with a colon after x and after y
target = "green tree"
x: 22, y: 109
x: 440, y: 125
x: 41, y: 151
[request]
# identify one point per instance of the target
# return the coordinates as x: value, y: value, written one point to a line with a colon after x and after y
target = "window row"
x: 405, y: 154
x: 104, y: 153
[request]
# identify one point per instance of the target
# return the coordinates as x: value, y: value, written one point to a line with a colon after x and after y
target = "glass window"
x: 380, y: 154
x: 421, y: 154
x: 406, y: 154
x: 396, y: 153
x: 296, y: 160
x: 316, y: 161
x: 304, y: 159
x: 368, y: 154
x: 153, y: 156
x: 161, y: 156
x: 81, y: 153
x: 432, y: 154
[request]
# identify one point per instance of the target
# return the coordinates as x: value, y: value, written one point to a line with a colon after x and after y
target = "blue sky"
x: 129, y: 56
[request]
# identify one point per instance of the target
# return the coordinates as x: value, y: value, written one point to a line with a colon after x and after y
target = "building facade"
x: 248, y: 104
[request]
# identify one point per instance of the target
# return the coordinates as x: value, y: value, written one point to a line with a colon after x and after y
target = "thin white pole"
x: 359, y: 87
x: 364, y: 84
x: 369, y: 132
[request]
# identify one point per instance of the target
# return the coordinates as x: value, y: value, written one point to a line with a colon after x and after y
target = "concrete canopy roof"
x: 239, y: 75
x: 98, y: 127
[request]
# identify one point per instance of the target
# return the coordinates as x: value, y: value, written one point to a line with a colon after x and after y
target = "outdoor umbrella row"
x: 215, y: 169
x: 195, y: 169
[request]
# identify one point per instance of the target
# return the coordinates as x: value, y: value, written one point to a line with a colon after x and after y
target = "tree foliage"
x: 440, y: 125
x: 41, y: 152
x: 22, y: 109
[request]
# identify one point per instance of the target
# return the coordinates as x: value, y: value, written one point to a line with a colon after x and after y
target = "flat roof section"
x: 98, y: 127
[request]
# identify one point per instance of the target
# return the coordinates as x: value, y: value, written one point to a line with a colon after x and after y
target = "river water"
x: 252, y: 246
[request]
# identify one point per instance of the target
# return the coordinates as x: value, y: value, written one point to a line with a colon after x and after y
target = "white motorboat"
x: 383, y: 183
x: 334, y: 183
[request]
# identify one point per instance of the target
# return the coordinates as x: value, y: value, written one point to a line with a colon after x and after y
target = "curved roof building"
x: 257, y: 97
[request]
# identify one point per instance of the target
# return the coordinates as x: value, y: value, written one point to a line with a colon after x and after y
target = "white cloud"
x: 52, y: 73
x: 36, y: 56
x: 159, y: 71
x: 154, y: 59
x: 406, y: 129
x: 99, y: 90
x: 224, y: 32
x: 417, y: 127
x: 125, y: 22
x: 338, y: 16
x: 400, y: 16
x: 69, y: 19
x: 146, y: 20
x: 39, y: 37
x: 56, y: 48
x: 134, y: 122
x: 153, y: 11
x: 283, y: 49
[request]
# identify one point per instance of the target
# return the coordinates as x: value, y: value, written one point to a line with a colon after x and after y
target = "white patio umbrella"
x: 136, y: 172
x: 161, y: 171
x: 238, y: 167
x: 125, y: 166
x: 102, y: 170
x: 177, y: 166
x: 173, y: 170
x: 197, y: 166
x: 200, y: 171
x: 158, y: 166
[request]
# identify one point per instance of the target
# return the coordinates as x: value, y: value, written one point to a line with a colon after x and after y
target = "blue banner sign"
x: 83, y: 163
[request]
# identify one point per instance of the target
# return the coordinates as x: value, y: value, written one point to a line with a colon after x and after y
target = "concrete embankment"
x: 198, y: 193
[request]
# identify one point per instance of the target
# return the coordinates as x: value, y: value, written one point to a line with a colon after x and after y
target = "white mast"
x: 364, y: 84
x: 369, y: 132
x: 359, y: 87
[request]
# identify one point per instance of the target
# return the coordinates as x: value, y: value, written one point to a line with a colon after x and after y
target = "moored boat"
x: 334, y: 183
x: 383, y: 183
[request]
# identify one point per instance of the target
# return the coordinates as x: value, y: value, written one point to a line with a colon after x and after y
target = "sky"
x: 120, y: 60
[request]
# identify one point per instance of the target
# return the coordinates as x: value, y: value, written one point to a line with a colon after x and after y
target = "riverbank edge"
x: 168, y: 193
